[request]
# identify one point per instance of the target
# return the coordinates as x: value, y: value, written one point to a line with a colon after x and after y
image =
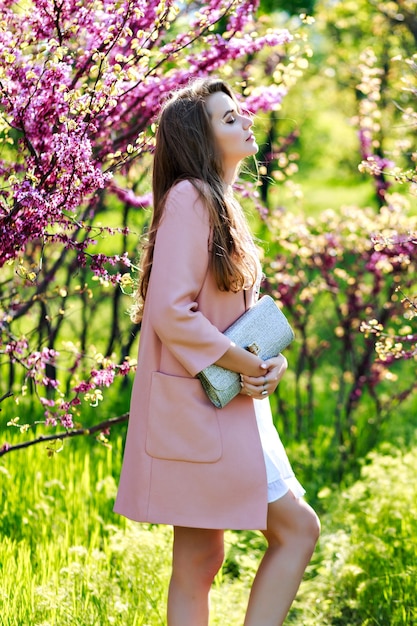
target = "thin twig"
x: 8, y: 394
x: 67, y: 434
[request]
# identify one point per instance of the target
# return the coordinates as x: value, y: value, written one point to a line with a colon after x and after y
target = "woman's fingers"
x: 262, y: 386
x: 258, y: 387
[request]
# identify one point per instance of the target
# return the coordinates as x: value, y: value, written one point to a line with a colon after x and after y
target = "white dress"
x: 279, y: 472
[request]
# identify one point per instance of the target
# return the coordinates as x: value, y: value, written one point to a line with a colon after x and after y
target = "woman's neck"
x: 230, y: 174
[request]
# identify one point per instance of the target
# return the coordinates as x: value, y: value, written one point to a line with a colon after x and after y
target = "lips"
x: 250, y: 138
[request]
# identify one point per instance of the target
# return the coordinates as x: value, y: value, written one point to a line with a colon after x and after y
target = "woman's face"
x: 231, y: 129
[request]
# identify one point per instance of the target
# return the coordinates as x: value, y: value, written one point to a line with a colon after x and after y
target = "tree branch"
x: 8, y: 394
x: 67, y: 434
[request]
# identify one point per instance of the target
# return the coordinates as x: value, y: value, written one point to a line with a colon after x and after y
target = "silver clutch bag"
x: 264, y: 330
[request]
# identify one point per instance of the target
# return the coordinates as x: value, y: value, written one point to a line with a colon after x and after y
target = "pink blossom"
x: 266, y: 99
x: 124, y: 368
x: 103, y: 378
x: 127, y: 196
x: 47, y: 402
x: 83, y: 387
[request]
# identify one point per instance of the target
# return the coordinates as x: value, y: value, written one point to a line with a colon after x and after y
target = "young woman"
x: 186, y: 463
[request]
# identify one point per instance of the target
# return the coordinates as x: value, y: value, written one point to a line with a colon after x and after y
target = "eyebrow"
x: 228, y: 113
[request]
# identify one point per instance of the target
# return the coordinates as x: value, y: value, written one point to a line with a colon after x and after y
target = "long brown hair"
x: 185, y: 149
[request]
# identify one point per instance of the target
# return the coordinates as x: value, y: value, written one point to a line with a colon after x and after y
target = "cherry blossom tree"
x: 80, y: 85
x: 396, y: 338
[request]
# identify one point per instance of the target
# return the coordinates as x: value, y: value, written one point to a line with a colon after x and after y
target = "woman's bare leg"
x: 292, y: 533
x: 197, y: 557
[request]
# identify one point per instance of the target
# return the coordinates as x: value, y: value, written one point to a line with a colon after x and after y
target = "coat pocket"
x: 182, y: 424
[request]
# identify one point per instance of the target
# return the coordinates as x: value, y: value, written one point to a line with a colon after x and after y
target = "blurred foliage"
x: 364, y: 571
x: 292, y: 8
x: 325, y: 109
x: 331, y: 280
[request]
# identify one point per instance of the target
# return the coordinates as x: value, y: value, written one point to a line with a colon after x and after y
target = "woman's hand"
x: 262, y: 386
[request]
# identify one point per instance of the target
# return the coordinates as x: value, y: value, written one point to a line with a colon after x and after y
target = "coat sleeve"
x: 180, y: 266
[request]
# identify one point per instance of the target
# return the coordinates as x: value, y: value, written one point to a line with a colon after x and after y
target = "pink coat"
x: 187, y: 463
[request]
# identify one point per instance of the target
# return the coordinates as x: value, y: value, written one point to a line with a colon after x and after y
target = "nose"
x: 247, y: 120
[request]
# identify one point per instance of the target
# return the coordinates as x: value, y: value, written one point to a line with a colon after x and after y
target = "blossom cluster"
x: 353, y: 263
x: 381, y: 167
x: 369, y: 122
x: 390, y: 347
x: 45, y: 371
x: 81, y: 84
x: 397, y: 247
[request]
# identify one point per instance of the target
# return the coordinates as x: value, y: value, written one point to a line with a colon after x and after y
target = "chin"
x: 254, y: 149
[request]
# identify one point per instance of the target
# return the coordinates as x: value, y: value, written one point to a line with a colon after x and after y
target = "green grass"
x: 67, y: 559
x: 366, y: 564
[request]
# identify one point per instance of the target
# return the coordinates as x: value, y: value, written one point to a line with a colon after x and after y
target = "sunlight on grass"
x: 318, y: 195
x: 67, y: 559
